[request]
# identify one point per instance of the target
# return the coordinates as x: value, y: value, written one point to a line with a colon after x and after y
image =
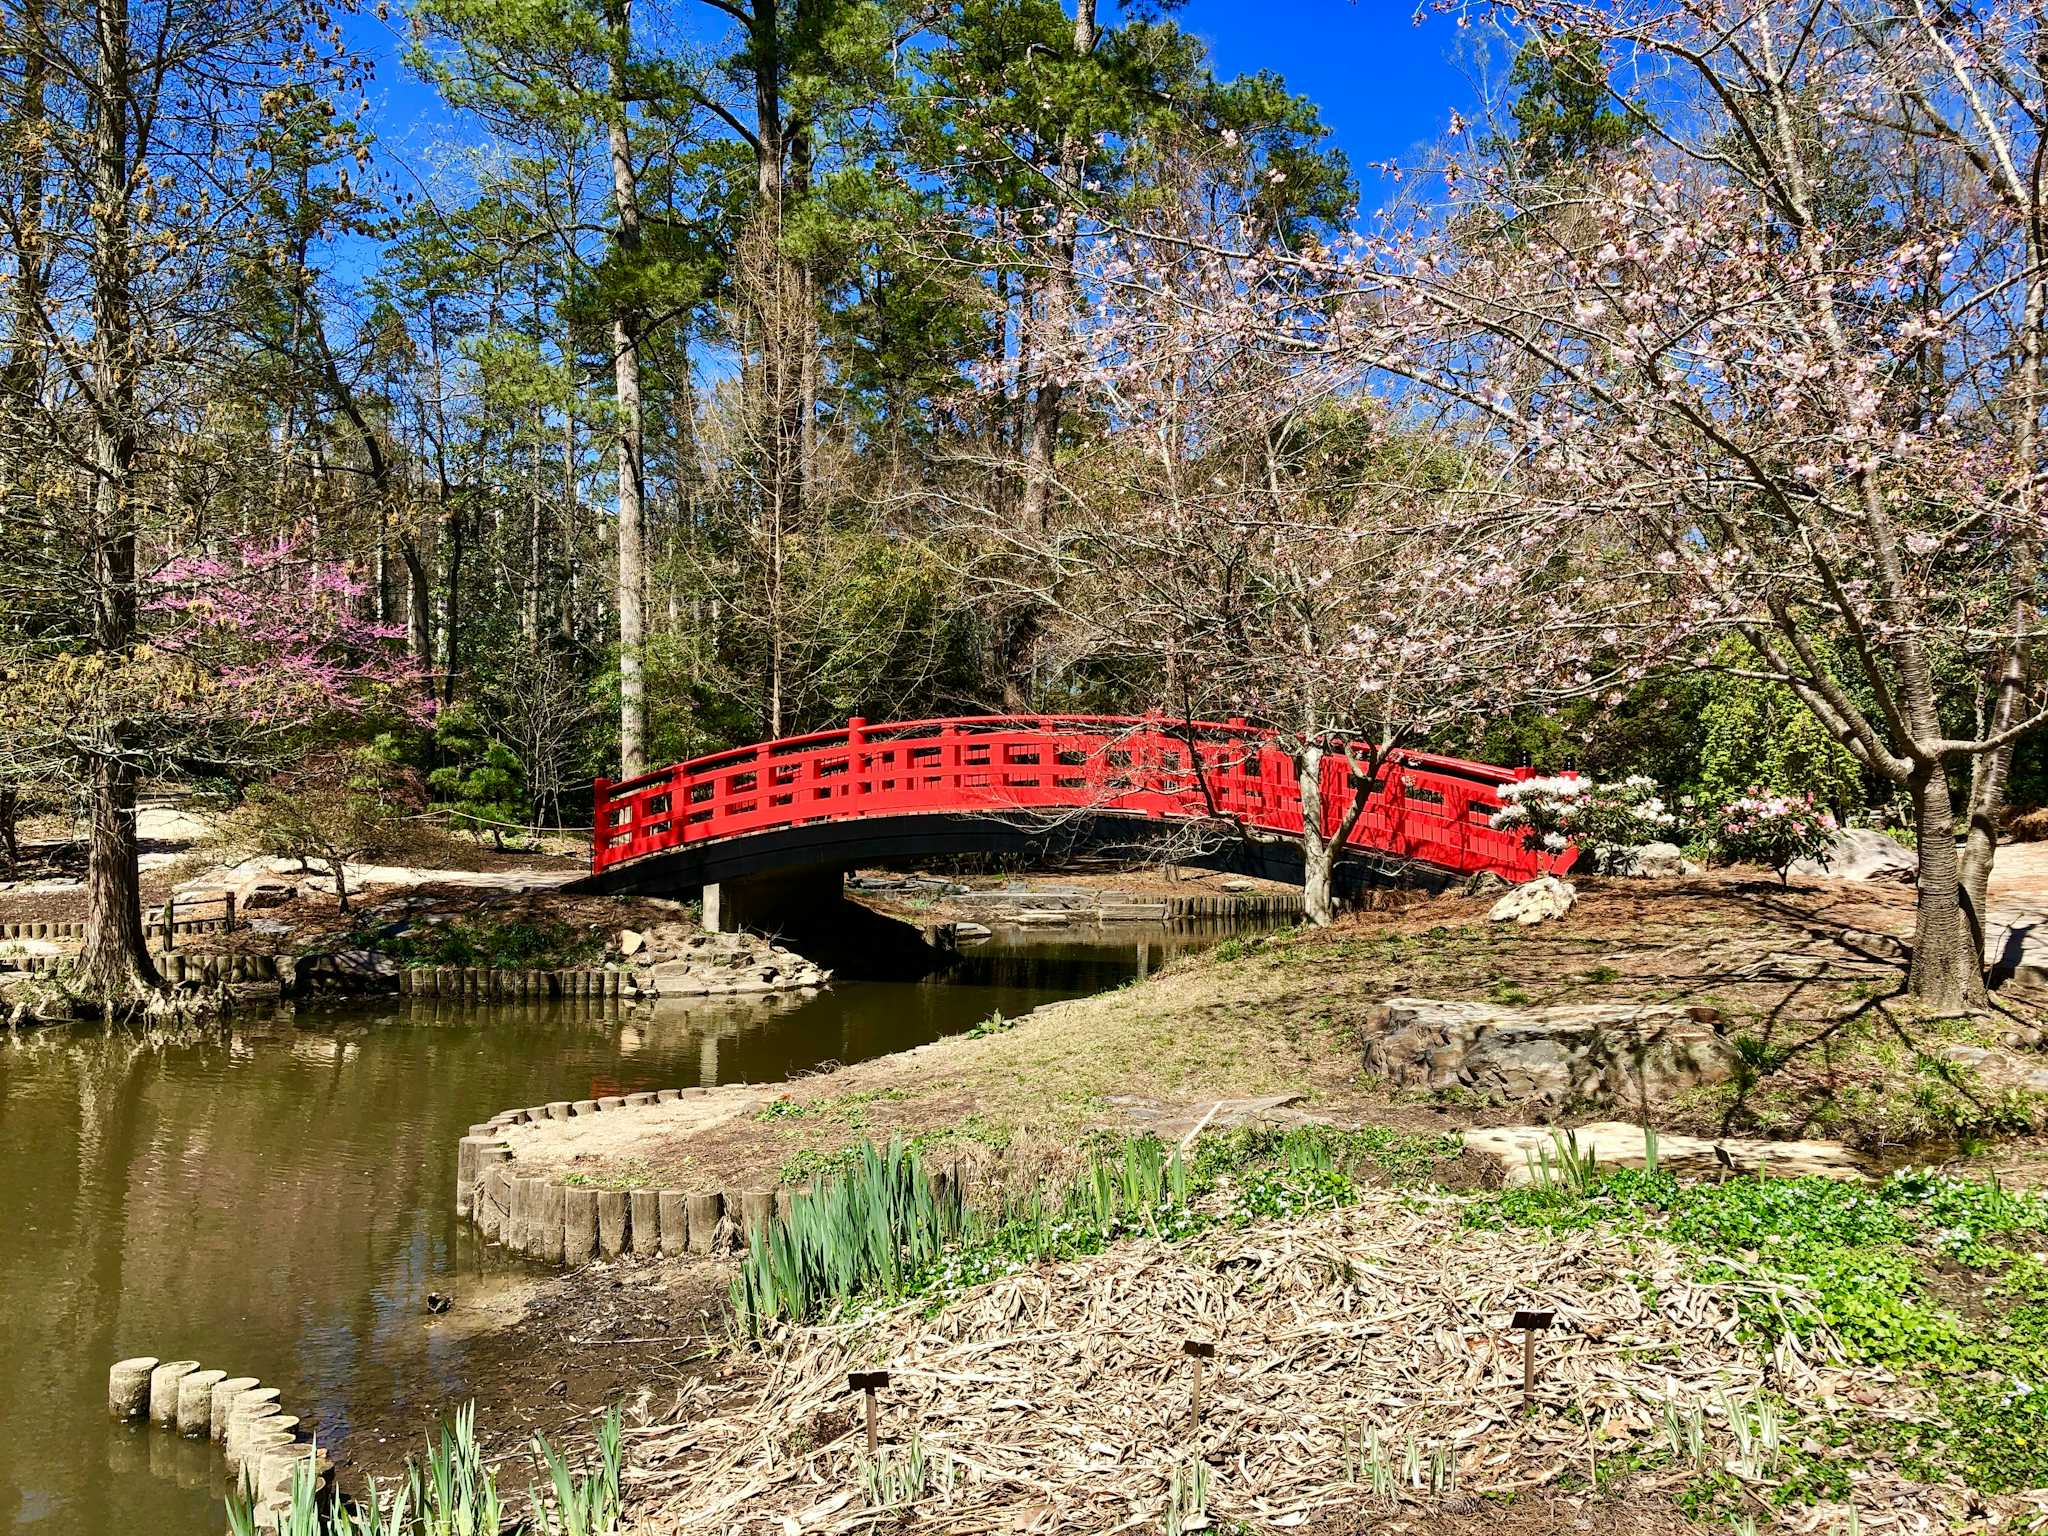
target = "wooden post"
x: 1531, y: 1324
x: 128, y: 1387
x: 1197, y: 1350
x: 869, y: 1383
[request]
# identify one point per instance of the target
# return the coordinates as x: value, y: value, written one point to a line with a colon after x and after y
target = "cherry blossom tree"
x: 1782, y: 362
x: 1253, y: 535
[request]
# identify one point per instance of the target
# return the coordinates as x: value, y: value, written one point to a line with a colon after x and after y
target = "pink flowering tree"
x: 1775, y: 369
x: 275, y: 641
x: 242, y: 663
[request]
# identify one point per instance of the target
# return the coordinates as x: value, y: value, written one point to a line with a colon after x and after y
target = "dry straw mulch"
x: 1057, y: 1400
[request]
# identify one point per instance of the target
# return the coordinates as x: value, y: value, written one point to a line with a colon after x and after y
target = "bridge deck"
x: 1427, y: 808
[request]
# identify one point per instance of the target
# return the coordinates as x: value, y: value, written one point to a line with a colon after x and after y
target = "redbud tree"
x: 243, y: 662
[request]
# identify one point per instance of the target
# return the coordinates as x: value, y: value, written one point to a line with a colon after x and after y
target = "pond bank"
x: 274, y: 1192
x: 1790, y: 1026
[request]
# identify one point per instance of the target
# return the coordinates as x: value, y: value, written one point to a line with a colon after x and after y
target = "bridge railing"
x: 1425, y: 806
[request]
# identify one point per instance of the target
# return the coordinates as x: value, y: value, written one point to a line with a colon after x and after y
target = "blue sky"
x: 1384, y: 84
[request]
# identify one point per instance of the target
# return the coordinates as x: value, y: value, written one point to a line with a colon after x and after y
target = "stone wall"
x: 1552, y: 1059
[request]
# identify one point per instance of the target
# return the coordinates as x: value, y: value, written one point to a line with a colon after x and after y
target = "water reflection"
x: 276, y: 1200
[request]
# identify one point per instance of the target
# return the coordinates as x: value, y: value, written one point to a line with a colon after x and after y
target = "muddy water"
x: 277, y: 1199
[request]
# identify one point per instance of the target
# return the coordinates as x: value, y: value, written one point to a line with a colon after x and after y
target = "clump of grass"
x: 875, y: 1224
x: 850, y: 1109
x: 455, y: 1493
x: 631, y: 1174
x: 864, y: 1231
x: 1563, y: 1166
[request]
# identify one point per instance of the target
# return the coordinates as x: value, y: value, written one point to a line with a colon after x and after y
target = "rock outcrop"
x: 1657, y: 861
x: 713, y: 964
x: 1619, y: 1144
x: 1553, y: 1059
x: 1858, y: 853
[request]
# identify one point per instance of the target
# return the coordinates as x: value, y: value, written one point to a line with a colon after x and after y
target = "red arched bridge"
x: 875, y: 794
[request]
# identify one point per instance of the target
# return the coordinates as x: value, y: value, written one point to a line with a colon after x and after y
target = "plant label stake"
x: 1531, y: 1324
x: 1197, y: 1350
x: 869, y: 1382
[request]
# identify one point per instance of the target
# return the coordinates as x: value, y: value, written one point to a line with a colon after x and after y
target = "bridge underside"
x: 830, y: 848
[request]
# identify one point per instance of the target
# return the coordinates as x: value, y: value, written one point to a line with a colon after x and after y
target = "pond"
x: 276, y: 1197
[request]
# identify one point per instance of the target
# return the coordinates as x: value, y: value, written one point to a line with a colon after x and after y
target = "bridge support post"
x: 779, y: 901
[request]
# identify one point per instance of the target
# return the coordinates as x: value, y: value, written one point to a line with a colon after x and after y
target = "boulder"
x: 1656, y: 861
x: 1542, y: 898
x: 1858, y: 853
x: 1557, y: 1059
x: 1619, y: 1144
x: 630, y: 942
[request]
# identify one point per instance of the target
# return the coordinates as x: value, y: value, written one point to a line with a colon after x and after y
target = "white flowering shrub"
x: 1603, y: 821
x: 1773, y: 830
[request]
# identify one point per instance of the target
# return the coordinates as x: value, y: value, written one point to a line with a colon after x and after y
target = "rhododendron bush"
x: 1604, y: 821
x: 1773, y: 830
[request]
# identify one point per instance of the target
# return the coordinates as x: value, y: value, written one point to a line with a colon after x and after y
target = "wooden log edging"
x: 514, y: 984
x: 43, y: 928
x: 263, y: 1445
x: 1235, y: 906
x: 562, y: 1222
x: 181, y: 969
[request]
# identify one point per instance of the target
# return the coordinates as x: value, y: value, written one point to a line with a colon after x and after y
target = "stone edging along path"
x: 559, y: 1222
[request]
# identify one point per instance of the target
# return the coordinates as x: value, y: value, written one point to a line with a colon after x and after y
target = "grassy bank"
x: 1806, y: 981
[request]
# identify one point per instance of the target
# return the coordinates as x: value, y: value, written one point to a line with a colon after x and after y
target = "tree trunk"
x: 1049, y: 322
x: 1318, y: 851
x: 1948, y: 956
x: 782, y: 391
x: 1323, y: 838
x: 419, y: 603
x: 529, y: 610
x: 114, y: 964
x: 632, y: 529
x: 451, y: 594
x: 115, y: 959
x: 21, y: 374
x: 1056, y: 306
x: 572, y: 554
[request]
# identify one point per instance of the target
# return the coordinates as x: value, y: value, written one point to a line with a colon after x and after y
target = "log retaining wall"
x: 562, y: 1222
